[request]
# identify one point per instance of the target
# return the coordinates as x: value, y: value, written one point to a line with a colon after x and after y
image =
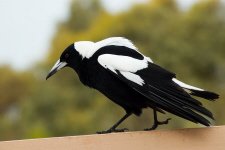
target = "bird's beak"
x: 58, y: 65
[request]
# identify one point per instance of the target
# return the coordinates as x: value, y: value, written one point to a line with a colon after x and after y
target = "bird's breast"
x: 90, y: 73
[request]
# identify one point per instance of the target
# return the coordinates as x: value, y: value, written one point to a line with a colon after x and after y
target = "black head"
x: 69, y: 58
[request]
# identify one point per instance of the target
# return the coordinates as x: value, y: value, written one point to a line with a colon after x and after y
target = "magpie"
x: 116, y: 68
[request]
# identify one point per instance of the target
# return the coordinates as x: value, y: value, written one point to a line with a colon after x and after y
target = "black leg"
x: 156, y: 122
x: 113, y: 128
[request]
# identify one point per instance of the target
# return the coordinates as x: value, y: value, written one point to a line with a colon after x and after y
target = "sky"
x: 27, y: 27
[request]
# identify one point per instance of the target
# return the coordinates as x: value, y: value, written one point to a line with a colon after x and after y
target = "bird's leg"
x: 113, y: 128
x: 156, y: 122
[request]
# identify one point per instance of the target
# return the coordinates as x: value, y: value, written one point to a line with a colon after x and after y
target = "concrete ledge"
x: 212, y: 138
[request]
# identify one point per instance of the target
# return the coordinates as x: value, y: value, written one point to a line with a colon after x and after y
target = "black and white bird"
x: 116, y: 68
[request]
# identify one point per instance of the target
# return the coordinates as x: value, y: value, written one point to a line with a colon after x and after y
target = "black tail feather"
x: 180, y: 106
x: 183, y: 112
x: 205, y: 94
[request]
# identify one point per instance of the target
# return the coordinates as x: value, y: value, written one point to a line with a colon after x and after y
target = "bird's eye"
x: 66, y: 55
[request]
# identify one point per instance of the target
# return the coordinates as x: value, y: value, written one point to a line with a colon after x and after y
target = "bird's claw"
x: 164, y: 122
x: 149, y: 129
x: 155, y: 125
x: 112, y: 130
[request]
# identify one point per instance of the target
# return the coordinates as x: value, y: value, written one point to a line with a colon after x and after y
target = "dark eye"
x: 66, y: 55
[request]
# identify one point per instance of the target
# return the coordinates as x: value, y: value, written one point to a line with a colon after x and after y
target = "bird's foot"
x: 164, y: 122
x: 112, y: 130
x: 157, y: 123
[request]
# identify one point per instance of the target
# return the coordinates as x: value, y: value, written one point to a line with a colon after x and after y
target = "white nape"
x: 85, y: 48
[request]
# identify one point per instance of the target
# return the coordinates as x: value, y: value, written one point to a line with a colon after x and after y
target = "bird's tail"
x: 197, y: 91
x: 205, y: 94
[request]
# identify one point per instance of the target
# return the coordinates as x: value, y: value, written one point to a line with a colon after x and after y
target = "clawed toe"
x: 164, y: 122
x: 156, y: 123
x: 121, y: 130
x: 103, y: 132
x: 112, y: 130
x: 148, y: 129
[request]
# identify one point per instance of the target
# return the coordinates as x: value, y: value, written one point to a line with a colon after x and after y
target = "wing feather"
x: 156, y: 84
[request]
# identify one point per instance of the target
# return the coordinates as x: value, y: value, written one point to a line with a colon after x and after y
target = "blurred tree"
x: 82, y: 14
x: 14, y: 88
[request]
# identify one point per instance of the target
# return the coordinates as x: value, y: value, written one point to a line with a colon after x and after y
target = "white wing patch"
x: 127, y: 66
x: 122, y: 63
x: 133, y: 77
x: 186, y: 86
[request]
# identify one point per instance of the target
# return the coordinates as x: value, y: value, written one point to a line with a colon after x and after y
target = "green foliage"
x: 190, y: 43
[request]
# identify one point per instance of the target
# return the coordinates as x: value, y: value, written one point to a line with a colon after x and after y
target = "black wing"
x: 158, y: 87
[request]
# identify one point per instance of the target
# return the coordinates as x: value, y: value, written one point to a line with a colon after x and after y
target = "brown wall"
x: 212, y: 138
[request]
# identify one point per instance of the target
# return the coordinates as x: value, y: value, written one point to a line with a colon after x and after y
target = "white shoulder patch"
x: 122, y: 63
x: 117, y: 41
x: 87, y: 48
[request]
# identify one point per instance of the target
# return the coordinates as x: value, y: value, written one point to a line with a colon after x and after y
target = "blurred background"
x: 186, y: 37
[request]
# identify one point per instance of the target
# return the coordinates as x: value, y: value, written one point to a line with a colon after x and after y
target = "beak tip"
x: 59, y: 65
x: 47, y: 77
x: 51, y: 73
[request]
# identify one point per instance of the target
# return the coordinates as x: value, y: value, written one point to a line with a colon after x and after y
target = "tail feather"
x: 197, y: 91
x: 205, y: 94
x: 178, y: 107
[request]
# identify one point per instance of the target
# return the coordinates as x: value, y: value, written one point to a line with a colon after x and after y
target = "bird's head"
x: 76, y: 52
x: 69, y: 58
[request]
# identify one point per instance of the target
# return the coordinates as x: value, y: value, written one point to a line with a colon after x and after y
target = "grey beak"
x: 58, y: 65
